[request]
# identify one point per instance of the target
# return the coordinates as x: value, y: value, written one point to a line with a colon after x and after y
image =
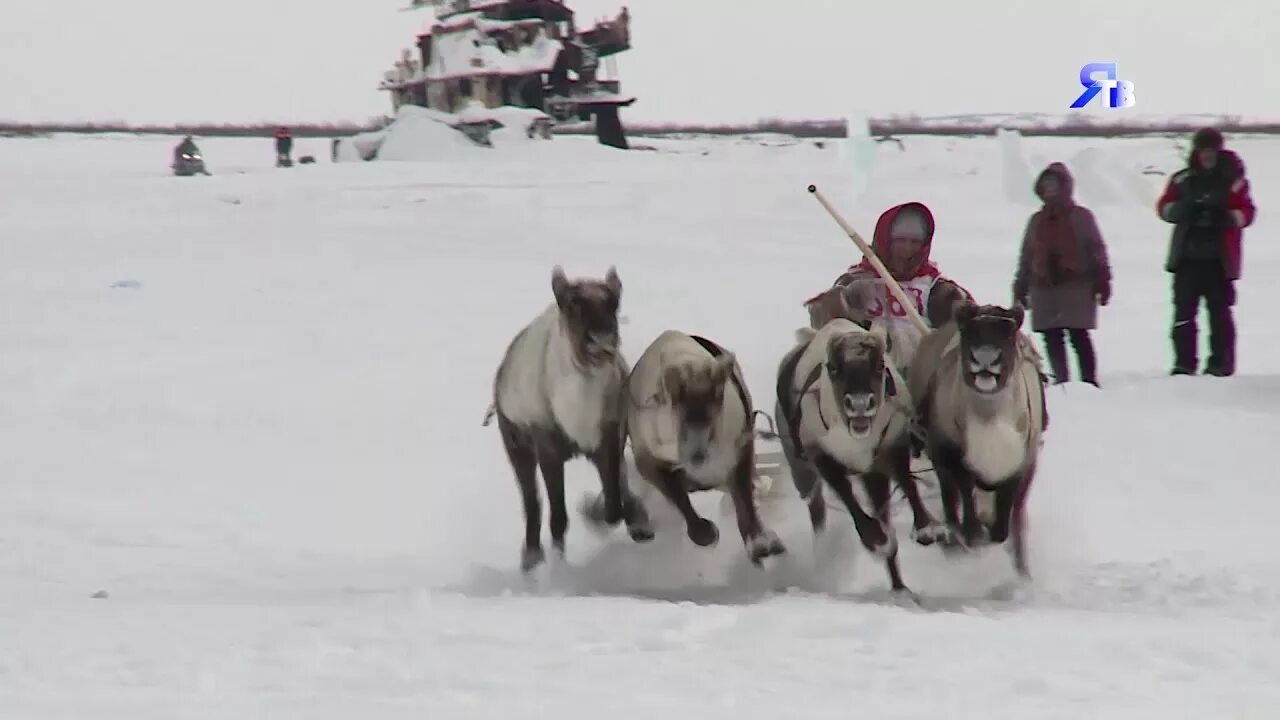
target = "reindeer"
x: 558, y: 395
x: 689, y: 416
x: 978, y: 387
x: 843, y: 410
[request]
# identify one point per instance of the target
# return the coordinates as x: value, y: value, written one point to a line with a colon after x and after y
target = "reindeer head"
x: 835, y: 303
x: 589, y: 315
x: 988, y: 345
x: 695, y: 391
x: 856, y: 368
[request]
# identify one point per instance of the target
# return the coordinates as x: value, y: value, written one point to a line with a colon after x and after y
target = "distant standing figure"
x: 1209, y: 205
x: 284, y: 147
x: 1063, y: 269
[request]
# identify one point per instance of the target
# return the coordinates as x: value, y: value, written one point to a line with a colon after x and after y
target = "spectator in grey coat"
x: 1064, y: 271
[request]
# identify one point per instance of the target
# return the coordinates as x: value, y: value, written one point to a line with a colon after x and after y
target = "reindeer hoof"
x: 951, y: 540
x: 639, y: 526
x: 905, y: 596
x: 998, y: 533
x: 973, y: 535
x: 703, y: 532
x: 532, y: 557
x: 764, y: 545
x: 640, y: 529
x: 930, y: 534
x: 878, y: 541
x: 592, y: 508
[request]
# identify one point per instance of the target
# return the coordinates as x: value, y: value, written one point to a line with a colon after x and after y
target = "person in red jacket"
x: 1208, y: 203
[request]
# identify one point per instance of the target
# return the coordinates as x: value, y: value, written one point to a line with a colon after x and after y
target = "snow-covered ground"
x: 243, y: 411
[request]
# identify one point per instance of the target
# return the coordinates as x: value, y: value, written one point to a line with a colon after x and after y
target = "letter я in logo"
x: 1121, y: 91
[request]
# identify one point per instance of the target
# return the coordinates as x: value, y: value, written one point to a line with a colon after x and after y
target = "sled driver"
x: 903, y: 240
x: 186, y: 147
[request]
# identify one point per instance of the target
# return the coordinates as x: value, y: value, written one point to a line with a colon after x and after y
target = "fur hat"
x: 1207, y: 138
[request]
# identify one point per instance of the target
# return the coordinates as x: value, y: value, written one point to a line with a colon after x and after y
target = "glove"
x: 1102, y: 290
x: 1174, y: 212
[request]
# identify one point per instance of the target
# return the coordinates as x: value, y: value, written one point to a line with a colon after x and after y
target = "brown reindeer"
x: 689, y: 416
x: 558, y: 394
x: 843, y: 411
x: 978, y: 388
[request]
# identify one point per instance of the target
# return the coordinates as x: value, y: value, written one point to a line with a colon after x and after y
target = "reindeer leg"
x: 873, y: 536
x: 925, y: 530
x: 1018, y: 523
x: 965, y: 486
x: 949, y: 468
x: 879, y: 490
x: 608, y: 461
x: 619, y: 502
x: 809, y: 485
x: 524, y: 463
x: 1006, y: 495
x: 759, y: 541
x: 951, y: 510
x: 670, y: 481
x: 551, y: 460
x: 803, y: 475
x: 971, y: 527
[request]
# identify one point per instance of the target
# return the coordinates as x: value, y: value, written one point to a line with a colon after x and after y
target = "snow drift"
x: 423, y: 134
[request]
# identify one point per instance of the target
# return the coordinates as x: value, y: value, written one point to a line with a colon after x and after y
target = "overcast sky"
x: 692, y: 60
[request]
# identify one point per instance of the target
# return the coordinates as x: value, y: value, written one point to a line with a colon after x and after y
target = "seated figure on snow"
x: 902, y: 240
x: 186, y: 147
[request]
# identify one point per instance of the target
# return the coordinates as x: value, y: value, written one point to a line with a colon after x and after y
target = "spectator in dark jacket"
x: 1208, y: 203
x: 1064, y: 271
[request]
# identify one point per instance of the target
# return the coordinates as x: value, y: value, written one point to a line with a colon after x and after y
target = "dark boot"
x: 1184, y: 347
x: 1056, y: 350
x: 1082, y: 343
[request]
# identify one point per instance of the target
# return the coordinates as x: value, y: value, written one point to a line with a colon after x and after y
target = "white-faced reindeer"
x: 558, y: 394
x: 978, y: 388
x: 689, y: 416
x: 843, y: 410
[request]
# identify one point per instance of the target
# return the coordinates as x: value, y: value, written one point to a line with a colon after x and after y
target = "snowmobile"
x: 188, y: 164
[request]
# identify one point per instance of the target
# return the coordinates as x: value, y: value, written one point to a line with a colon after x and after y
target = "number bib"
x: 882, y: 305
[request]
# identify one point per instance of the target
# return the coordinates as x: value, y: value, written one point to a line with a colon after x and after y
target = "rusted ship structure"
x: 521, y: 53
